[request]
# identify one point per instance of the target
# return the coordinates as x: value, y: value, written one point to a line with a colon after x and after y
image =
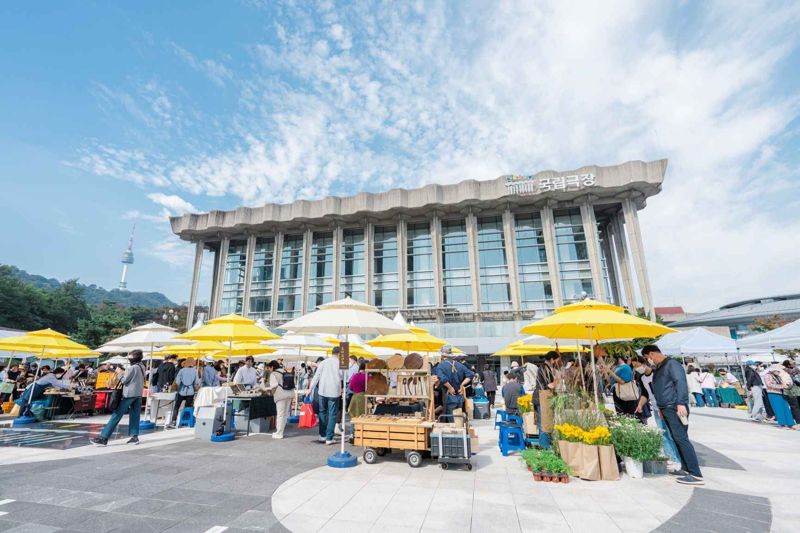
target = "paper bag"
x: 609, y: 469
x: 547, y: 411
x: 458, y: 418
x: 590, y: 462
x: 570, y: 452
x: 529, y: 423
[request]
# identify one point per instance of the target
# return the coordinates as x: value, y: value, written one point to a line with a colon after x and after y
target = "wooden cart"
x: 381, y: 434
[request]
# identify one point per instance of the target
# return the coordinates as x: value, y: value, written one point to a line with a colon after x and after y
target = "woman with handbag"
x: 126, y: 398
x: 625, y: 391
x: 778, y: 381
x: 187, y: 381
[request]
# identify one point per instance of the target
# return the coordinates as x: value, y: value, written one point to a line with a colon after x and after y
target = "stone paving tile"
x: 254, y: 521
x: 33, y: 528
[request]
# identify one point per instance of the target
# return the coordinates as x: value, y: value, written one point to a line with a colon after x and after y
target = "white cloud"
x: 370, y: 97
x: 173, y: 203
x: 215, y: 71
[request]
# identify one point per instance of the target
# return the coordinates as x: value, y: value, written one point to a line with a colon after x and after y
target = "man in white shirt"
x: 246, y: 375
x: 328, y: 378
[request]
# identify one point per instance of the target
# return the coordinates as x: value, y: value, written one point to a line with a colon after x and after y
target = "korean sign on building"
x: 533, y: 185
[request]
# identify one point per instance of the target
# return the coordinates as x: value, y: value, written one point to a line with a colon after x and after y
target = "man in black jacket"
x: 672, y: 398
x: 165, y: 374
x: 755, y: 387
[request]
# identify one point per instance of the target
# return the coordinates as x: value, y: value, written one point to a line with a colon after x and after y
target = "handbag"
x: 627, y: 391
x: 116, y: 397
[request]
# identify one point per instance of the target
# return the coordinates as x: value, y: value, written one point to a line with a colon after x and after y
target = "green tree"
x: 66, y: 307
x: 22, y: 306
x: 105, y: 322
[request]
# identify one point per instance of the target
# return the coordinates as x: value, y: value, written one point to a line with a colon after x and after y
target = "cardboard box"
x: 473, y: 443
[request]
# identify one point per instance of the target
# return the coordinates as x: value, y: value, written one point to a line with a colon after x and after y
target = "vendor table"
x: 729, y: 395
x: 161, y: 401
x: 258, y: 407
x: 67, y: 404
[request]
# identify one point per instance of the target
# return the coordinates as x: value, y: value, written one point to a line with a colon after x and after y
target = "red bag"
x: 307, y: 417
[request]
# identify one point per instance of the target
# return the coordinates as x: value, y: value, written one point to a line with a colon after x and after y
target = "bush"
x: 633, y: 439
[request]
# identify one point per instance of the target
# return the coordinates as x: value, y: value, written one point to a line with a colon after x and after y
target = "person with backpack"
x: 188, y: 381
x: 282, y: 386
x: 778, y: 381
x: 130, y: 402
x: 165, y: 373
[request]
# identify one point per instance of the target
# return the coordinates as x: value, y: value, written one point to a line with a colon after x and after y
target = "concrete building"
x: 471, y: 261
x: 737, y: 317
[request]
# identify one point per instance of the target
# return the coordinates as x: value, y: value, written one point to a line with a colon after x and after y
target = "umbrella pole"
x: 344, y: 403
x: 35, y: 377
x: 580, y: 364
x: 594, y: 368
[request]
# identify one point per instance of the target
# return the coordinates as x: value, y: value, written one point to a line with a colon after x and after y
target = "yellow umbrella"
x: 229, y: 328
x: 593, y: 324
x: 243, y: 349
x: 409, y: 342
x: 355, y: 349
x: 194, y: 349
x: 588, y: 304
x: 516, y: 349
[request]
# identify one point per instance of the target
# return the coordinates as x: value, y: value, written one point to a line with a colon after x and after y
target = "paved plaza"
x: 172, y: 482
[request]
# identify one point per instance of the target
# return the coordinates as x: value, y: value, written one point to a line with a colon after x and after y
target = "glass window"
x: 353, y: 281
x: 534, y: 277
x: 385, y: 276
x: 605, y: 266
x: 573, y: 256
x: 233, y: 279
x: 320, y: 279
x: 420, y: 289
x: 457, y: 283
x: 261, y: 278
x: 290, y: 287
x: 495, y: 288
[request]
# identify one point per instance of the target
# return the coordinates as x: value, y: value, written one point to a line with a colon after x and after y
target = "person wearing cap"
x: 188, y: 381
x: 453, y: 376
x: 755, y: 390
x: 328, y: 381
x: 131, y: 402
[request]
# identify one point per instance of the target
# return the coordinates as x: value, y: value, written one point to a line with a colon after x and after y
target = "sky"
x: 119, y: 113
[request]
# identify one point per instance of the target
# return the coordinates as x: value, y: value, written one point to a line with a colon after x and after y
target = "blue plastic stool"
x: 187, y: 417
x: 511, y: 439
x: 532, y: 441
x: 501, y: 414
x: 514, y: 420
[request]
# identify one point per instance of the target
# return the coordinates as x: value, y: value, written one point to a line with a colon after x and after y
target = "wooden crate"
x: 391, y: 433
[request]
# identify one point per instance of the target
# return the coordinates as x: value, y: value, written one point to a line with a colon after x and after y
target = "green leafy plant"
x: 633, y: 439
x: 545, y: 461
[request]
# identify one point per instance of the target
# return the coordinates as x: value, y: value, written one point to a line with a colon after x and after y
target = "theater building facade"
x: 471, y: 261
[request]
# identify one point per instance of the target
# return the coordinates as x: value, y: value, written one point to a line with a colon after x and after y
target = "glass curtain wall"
x: 455, y: 266
x: 605, y: 266
x: 261, y: 278
x: 290, y: 287
x: 320, y: 276
x: 385, y: 277
x: 420, y: 287
x: 534, y: 278
x: 495, y: 288
x: 353, y: 281
x: 573, y: 256
x: 233, y: 281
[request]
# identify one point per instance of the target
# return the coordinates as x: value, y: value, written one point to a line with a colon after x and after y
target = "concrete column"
x: 610, y: 263
x: 593, y: 248
x: 637, y: 251
x: 198, y: 265
x: 402, y: 261
x: 248, y: 273
x: 308, y: 237
x: 509, y: 227
x: 337, y: 261
x: 276, y: 272
x: 369, y: 264
x: 549, y: 233
x: 436, y: 251
x: 621, y: 248
x: 474, y: 262
x: 220, y: 280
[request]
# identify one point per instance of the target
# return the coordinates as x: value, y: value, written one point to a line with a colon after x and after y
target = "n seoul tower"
x: 127, y: 259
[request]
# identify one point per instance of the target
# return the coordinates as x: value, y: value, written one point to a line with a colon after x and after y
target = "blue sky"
x: 112, y: 114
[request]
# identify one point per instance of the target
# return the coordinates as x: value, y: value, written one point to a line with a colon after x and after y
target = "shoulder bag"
x: 627, y: 391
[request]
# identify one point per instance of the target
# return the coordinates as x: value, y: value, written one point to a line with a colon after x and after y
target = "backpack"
x: 287, y: 379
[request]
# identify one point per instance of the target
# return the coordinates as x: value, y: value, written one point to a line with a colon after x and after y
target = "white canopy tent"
x: 785, y: 337
x: 696, y: 341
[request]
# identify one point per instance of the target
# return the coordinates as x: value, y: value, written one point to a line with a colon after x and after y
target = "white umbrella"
x: 118, y: 360
x: 695, y: 341
x: 339, y: 318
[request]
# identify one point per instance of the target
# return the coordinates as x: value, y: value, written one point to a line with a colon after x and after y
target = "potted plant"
x: 656, y: 467
x: 635, y: 443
